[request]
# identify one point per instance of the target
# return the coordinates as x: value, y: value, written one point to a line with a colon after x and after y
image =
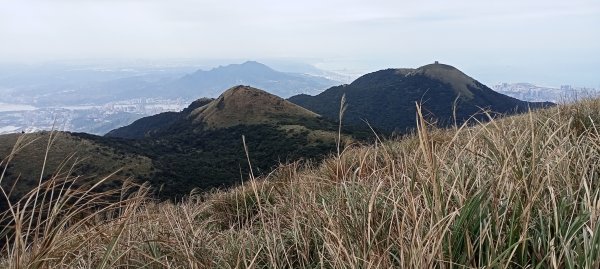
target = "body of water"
x: 15, y: 107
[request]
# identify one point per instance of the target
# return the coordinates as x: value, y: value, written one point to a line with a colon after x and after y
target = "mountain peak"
x: 448, y: 74
x: 386, y: 98
x: 247, y: 105
x: 212, y: 82
x: 247, y: 66
x: 252, y: 63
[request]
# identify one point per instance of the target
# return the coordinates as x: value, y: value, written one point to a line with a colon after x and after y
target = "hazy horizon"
x: 543, y: 42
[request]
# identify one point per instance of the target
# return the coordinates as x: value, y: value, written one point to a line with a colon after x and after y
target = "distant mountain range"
x: 201, y: 146
x: 59, y: 85
x: 535, y: 93
x: 210, y: 83
x: 386, y: 99
x: 52, y: 92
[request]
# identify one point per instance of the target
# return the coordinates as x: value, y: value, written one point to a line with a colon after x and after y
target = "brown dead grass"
x: 521, y: 192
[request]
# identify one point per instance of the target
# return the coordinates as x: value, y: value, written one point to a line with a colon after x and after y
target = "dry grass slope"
x: 26, y: 154
x: 518, y: 192
x: 258, y: 107
x: 449, y: 75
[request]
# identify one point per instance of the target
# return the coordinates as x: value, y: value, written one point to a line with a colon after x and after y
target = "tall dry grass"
x: 519, y: 192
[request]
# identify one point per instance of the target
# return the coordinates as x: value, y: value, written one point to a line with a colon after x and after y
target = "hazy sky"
x: 543, y: 41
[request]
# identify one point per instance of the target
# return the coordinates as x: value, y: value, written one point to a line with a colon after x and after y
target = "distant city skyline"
x: 543, y: 42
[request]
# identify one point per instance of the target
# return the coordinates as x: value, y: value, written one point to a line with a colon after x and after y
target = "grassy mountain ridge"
x: 521, y: 191
x: 247, y: 105
x: 386, y: 98
x: 199, y: 147
x: 186, y: 160
x: 25, y: 160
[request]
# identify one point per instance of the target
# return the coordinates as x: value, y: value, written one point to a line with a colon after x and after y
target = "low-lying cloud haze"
x: 541, y: 41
